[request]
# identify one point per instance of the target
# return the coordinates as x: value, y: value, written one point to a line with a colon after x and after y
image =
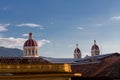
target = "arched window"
x: 29, y: 52
x: 36, y: 52
x: 26, y: 52
x: 33, y: 51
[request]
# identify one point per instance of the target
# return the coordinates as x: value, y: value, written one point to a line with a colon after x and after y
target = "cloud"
x: 98, y: 25
x: 3, y: 27
x: 42, y: 42
x: 80, y: 28
x: 41, y: 28
x: 115, y: 18
x: 12, y: 42
x: 29, y: 25
x: 26, y: 35
x: 3, y: 9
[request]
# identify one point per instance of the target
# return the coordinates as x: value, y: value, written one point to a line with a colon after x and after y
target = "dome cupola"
x: 30, y: 47
x: 77, y: 52
x: 30, y: 42
x: 95, y: 49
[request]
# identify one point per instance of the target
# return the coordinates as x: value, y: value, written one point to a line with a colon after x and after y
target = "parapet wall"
x: 34, y: 68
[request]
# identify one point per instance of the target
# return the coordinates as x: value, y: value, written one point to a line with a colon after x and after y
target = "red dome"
x: 95, y: 47
x: 77, y: 50
x: 30, y: 42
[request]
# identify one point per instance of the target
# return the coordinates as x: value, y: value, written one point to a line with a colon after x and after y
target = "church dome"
x: 77, y: 50
x: 95, y: 49
x: 95, y: 46
x: 30, y: 42
x: 30, y: 47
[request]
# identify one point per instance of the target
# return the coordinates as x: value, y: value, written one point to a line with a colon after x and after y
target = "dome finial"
x: 76, y: 45
x: 30, y: 35
x: 94, y: 41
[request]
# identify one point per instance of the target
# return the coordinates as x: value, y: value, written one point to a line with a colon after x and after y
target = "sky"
x: 58, y: 25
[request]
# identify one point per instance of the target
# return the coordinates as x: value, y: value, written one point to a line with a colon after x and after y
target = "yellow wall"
x: 19, y: 68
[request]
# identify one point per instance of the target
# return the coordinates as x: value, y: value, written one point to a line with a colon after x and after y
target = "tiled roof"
x: 22, y: 60
x: 86, y: 60
x: 96, y: 57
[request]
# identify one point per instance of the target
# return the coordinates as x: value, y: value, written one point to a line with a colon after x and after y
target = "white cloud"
x: 12, y: 42
x: 115, y: 18
x: 3, y: 27
x: 3, y: 8
x: 29, y: 25
x: 41, y: 28
x: 80, y: 28
x: 26, y: 35
x: 42, y: 42
x: 98, y: 25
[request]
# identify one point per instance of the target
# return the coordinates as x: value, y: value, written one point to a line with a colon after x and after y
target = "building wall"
x: 21, y: 68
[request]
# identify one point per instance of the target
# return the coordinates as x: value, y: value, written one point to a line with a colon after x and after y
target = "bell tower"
x: 77, y: 52
x: 30, y: 47
x: 95, y: 49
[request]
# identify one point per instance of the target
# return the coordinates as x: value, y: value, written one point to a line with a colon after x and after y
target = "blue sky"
x: 58, y: 25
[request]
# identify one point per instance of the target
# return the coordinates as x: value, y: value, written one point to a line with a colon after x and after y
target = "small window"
x: 33, y: 52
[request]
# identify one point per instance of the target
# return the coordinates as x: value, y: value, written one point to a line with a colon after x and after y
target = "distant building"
x: 105, y: 65
x: 30, y: 47
x: 77, y: 52
x: 95, y: 49
x: 31, y: 63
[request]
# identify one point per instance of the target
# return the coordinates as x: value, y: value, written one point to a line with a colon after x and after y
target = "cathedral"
x: 94, y: 51
x: 33, y: 67
x: 59, y: 68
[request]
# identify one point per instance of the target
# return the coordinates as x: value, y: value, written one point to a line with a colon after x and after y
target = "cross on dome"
x: 76, y: 45
x: 94, y: 41
x: 30, y: 35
